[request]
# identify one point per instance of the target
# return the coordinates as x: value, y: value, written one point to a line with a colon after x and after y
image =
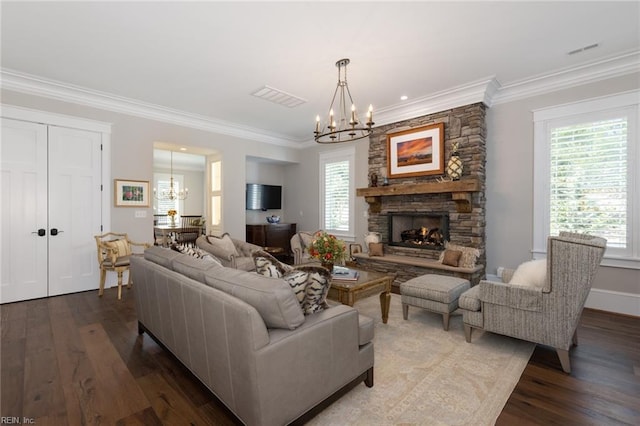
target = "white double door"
x: 51, y: 208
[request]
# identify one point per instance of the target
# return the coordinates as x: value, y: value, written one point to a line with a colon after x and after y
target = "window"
x: 587, y: 174
x: 337, y: 192
x: 216, y: 193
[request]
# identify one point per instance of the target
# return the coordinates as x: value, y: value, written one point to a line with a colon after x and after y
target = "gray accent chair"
x: 548, y: 315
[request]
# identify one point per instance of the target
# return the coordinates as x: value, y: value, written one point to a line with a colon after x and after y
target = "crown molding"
x: 38, y: 86
x: 478, y: 91
x: 626, y: 63
x: 487, y: 90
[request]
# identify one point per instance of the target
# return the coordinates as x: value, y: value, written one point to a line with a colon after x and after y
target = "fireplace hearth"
x: 418, y: 230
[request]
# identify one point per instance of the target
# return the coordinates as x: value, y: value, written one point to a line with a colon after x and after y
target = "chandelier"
x: 170, y: 194
x: 344, y: 126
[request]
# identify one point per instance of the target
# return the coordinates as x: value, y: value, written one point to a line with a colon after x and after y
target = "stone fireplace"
x: 456, y: 208
x: 427, y: 231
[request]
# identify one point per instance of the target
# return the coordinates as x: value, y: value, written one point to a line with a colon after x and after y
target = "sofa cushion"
x: 196, y: 252
x: 365, y: 329
x: 531, y: 274
x: 268, y: 265
x: 223, y: 245
x: 451, y: 257
x: 194, y: 267
x: 271, y: 297
x: 376, y: 249
x: 468, y: 257
x: 121, y: 247
x: 297, y: 280
x: 317, y: 288
x: 161, y: 255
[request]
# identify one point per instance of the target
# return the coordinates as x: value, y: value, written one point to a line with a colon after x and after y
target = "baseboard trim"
x: 614, y: 301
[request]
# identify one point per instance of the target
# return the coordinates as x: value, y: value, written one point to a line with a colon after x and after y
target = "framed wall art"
x: 416, y: 152
x: 131, y: 193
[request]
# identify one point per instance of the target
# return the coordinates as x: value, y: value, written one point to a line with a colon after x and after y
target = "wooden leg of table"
x: 385, y: 302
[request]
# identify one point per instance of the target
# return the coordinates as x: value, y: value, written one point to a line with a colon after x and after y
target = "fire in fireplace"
x: 419, y: 230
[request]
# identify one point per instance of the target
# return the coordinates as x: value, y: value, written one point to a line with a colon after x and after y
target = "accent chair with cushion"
x: 542, y: 300
x: 229, y: 251
x: 299, y: 246
x: 114, y: 253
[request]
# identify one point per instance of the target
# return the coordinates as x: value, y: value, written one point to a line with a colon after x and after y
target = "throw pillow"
x: 297, y: 280
x: 224, y: 244
x: 451, y: 257
x: 468, y: 257
x: 196, y: 252
x: 376, y: 249
x: 121, y: 247
x: 531, y: 274
x: 317, y: 289
x: 268, y: 265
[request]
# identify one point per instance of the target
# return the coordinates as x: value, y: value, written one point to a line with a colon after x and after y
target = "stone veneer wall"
x: 465, y: 125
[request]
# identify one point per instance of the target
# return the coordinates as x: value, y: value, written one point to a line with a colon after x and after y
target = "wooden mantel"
x: 460, y: 192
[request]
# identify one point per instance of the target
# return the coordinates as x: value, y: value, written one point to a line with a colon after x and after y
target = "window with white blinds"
x: 337, y: 192
x: 588, y: 179
x: 587, y: 174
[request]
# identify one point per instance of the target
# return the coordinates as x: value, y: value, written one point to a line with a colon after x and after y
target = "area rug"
x: 424, y: 375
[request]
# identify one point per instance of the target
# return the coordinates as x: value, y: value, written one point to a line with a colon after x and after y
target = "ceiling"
x: 204, y: 59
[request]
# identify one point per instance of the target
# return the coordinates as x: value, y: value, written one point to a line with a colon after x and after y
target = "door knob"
x: 54, y: 231
x: 41, y: 232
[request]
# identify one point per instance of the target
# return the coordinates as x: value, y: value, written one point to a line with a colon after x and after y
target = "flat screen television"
x: 264, y: 197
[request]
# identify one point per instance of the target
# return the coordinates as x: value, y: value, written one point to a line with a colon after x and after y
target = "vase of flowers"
x: 328, y: 249
x: 172, y: 216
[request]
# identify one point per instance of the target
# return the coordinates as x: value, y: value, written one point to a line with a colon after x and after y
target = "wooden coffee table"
x: 368, y: 283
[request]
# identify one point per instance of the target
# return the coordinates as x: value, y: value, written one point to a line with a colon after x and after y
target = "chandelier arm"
x: 345, y: 129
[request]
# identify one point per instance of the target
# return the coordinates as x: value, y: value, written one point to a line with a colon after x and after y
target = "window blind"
x: 588, y: 179
x: 336, y: 201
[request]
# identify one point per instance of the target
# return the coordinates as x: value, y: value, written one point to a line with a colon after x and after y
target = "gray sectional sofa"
x: 245, y: 337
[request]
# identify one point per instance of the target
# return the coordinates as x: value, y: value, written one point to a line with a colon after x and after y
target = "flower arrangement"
x: 327, y: 248
x: 172, y: 215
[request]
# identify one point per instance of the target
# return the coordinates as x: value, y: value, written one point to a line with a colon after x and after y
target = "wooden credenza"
x: 272, y: 235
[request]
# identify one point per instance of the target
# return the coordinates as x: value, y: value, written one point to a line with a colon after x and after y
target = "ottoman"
x: 435, y: 293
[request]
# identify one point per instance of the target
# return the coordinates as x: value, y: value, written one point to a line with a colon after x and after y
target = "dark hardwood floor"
x: 77, y: 359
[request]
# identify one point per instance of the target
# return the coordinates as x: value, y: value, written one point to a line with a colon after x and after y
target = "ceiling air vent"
x: 278, y: 97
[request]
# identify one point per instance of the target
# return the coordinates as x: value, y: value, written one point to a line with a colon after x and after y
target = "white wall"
x: 302, y: 189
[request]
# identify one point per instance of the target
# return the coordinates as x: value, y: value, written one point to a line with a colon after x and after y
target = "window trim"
x: 349, y: 154
x: 541, y: 160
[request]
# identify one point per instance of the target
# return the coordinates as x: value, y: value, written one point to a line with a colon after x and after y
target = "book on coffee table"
x: 342, y: 273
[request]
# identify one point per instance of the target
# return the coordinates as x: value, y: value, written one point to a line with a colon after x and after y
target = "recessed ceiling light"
x: 404, y: 97
x: 183, y: 149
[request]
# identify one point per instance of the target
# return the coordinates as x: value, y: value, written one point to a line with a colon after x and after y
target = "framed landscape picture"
x: 416, y: 152
x: 131, y: 193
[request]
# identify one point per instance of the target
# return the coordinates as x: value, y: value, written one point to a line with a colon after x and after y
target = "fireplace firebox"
x: 419, y: 230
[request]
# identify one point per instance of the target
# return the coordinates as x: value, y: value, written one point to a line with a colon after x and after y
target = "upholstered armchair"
x: 299, y: 243
x: 229, y: 251
x: 547, y: 313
